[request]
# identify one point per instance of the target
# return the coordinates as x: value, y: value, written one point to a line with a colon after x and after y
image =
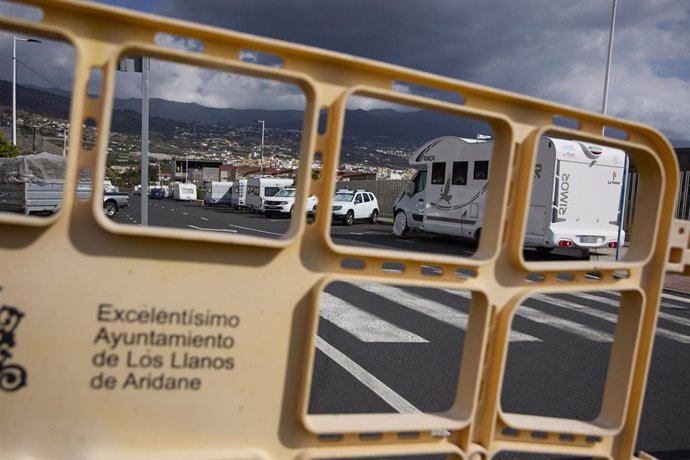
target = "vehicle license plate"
x: 588, y: 239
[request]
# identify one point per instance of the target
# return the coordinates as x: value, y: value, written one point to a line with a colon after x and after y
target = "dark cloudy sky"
x: 551, y: 49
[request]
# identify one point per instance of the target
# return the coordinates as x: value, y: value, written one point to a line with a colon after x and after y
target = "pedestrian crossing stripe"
x: 370, y: 328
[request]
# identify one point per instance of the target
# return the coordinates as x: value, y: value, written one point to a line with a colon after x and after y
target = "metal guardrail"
x: 63, y: 375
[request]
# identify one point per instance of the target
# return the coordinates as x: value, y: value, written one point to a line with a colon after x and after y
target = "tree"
x: 7, y: 149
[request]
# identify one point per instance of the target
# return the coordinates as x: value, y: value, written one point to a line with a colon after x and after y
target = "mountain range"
x: 377, y: 124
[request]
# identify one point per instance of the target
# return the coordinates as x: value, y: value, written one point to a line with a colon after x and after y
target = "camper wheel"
x: 400, y: 227
x: 374, y: 216
x: 349, y: 218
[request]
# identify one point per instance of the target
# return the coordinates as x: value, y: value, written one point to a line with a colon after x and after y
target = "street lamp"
x: 605, y: 97
x: 14, y: 83
x: 263, y: 126
x: 186, y: 167
x: 608, y: 61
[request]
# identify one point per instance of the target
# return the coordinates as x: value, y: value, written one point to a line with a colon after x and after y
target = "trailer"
x: 218, y: 193
x: 238, y: 197
x: 34, y: 184
x: 184, y: 191
x: 575, y: 199
x: 259, y: 188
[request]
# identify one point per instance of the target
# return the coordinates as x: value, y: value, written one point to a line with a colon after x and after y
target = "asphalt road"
x: 410, y: 340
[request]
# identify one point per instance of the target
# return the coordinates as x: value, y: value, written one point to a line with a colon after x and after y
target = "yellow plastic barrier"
x: 78, y: 284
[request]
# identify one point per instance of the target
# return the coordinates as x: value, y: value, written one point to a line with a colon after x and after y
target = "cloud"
x: 551, y: 49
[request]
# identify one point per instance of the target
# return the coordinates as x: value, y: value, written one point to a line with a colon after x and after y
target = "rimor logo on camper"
x: 12, y: 376
x: 537, y: 171
x: 563, y: 194
x: 613, y: 180
x: 424, y: 157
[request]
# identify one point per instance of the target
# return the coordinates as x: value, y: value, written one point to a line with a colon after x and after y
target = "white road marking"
x: 675, y: 297
x: 227, y: 230
x: 436, y: 310
x: 171, y: 209
x: 614, y: 318
x: 382, y: 390
x: 538, y: 316
x: 185, y: 213
x: 365, y: 326
x: 255, y: 230
x: 204, y: 218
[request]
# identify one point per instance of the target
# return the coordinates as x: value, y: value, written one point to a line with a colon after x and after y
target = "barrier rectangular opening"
x: 34, y: 123
x: 223, y: 152
x: 416, y: 174
x: 387, y: 348
x: 581, y: 203
x: 580, y: 367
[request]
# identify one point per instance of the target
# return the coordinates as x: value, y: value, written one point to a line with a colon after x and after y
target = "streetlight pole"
x: 263, y: 127
x: 608, y: 60
x: 14, y: 83
x: 604, y: 102
x: 186, y: 167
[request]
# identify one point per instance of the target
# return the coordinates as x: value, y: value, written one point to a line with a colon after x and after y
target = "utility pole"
x: 14, y: 82
x: 142, y: 64
x: 263, y: 127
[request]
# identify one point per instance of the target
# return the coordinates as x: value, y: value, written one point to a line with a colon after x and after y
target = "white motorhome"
x: 575, y: 198
x: 218, y: 193
x: 238, y: 199
x: 184, y: 192
x: 259, y: 188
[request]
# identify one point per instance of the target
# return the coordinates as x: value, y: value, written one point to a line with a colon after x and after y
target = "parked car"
x: 284, y: 201
x: 351, y: 205
x: 157, y: 193
x: 113, y: 202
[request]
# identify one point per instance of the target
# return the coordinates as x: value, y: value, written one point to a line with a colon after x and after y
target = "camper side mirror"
x: 409, y: 188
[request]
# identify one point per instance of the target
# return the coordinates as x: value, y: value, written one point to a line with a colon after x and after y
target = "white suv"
x: 283, y: 202
x: 351, y: 205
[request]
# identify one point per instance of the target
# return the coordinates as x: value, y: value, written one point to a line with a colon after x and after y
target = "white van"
x: 238, y: 198
x: 218, y: 193
x: 259, y: 188
x: 575, y: 198
x: 184, y: 192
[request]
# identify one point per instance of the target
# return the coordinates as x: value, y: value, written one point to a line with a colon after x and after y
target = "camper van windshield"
x: 344, y: 197
x: 286, y: 192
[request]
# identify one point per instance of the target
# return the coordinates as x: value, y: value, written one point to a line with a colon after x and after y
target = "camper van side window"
x: 420, y: 182
x: 481, y: 170
x: 270, y: 191
x: 459, y: 173
x: 438, y: 173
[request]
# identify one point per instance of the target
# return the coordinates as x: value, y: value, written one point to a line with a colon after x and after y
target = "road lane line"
x: 204, y: 218
x: 365, y: 326
x: 540, y: 317
x: 436, y: 310
x: 185, y: 213
x: 227, y: 230
x: 381, y: 390
x: 172, y: 210
x: 256, y: 230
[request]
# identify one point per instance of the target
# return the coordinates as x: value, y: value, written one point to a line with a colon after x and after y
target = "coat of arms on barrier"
x: 12, y: 376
